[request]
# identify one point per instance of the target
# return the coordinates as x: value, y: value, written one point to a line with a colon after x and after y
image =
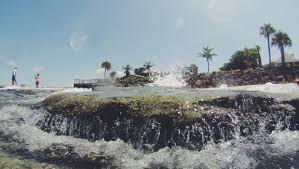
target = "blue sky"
x: 67, y: 39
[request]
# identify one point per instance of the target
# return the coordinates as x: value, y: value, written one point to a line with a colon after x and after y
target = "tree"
x: 267, y: 30
x: 258, y: 49
x: 140, y: 71
x: 281, y: 40
x: 107, y: 66
x: 242, y: 59
x: 190, y: 75
x: 112, y: 74
x: 148, y: 65
x: 127, y: 69
x: 235, y: 62
x: 207, y: 54
x: 250, y: 58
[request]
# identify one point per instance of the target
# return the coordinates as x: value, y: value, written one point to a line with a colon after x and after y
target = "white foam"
x: 172, y: 79
x: 223, y: 86
x: 11, y: 88
x: 28, y: 88
x: 288, y: 88
x: 73, y: 90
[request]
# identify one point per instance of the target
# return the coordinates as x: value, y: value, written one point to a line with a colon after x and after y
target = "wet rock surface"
x: 151, y: 123
x: 66, y: 155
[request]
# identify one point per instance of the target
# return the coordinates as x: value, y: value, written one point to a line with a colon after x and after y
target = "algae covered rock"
x: 134, y: 107
x: 153, y: 122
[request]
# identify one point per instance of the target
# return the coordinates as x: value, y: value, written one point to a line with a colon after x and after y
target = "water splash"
x: 172, y: 79
x: 75, y: 90
x: 288, y: 88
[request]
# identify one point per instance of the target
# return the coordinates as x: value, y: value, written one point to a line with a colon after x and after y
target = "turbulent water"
x: 23, y: 144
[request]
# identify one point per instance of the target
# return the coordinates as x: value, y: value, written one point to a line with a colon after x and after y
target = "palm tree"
x: 148, y: 65
x: 207, y: 53
x: 282, y: 40
x: 267, y: 30
x: 258, y: 49
x: 127, y: 69
x: 107, y: 66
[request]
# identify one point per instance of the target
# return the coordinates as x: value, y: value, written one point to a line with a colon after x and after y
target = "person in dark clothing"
x: 14, y: 77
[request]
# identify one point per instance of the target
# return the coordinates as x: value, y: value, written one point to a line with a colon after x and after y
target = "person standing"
x: 37, y: 79
x: 14, y: 77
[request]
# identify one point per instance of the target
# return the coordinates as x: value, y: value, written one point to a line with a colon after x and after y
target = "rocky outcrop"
x: 151, y: 123
x: 244, y: 77
x: 133, y: 80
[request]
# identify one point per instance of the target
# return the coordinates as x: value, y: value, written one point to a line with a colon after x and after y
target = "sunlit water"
x: 19, y: 136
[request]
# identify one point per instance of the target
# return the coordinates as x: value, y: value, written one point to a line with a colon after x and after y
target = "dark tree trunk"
x: 283, y: 61
x: 259, y: 60
x: 269, y: 50
x: 208, y: 65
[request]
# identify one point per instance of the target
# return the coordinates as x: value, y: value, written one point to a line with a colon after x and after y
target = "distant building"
x: 291, y: 61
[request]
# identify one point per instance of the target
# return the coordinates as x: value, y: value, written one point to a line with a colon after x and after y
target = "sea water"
x: 20, y: 138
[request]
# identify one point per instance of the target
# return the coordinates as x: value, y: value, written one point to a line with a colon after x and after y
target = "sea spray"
x: 174, y: 78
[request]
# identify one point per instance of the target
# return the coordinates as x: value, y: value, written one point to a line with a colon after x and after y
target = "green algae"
x: 169, y: 107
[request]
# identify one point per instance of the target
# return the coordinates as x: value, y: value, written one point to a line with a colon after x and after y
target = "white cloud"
x: 77, y: 40
x: 179, y: 23
x: 38, y: 69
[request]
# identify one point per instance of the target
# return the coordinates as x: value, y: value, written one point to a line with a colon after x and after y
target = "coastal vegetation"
x: 245, y: 64
x: 243, y: 59
x: 141, y: 77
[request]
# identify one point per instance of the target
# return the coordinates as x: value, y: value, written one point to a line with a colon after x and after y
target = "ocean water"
x: 23, y: 144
